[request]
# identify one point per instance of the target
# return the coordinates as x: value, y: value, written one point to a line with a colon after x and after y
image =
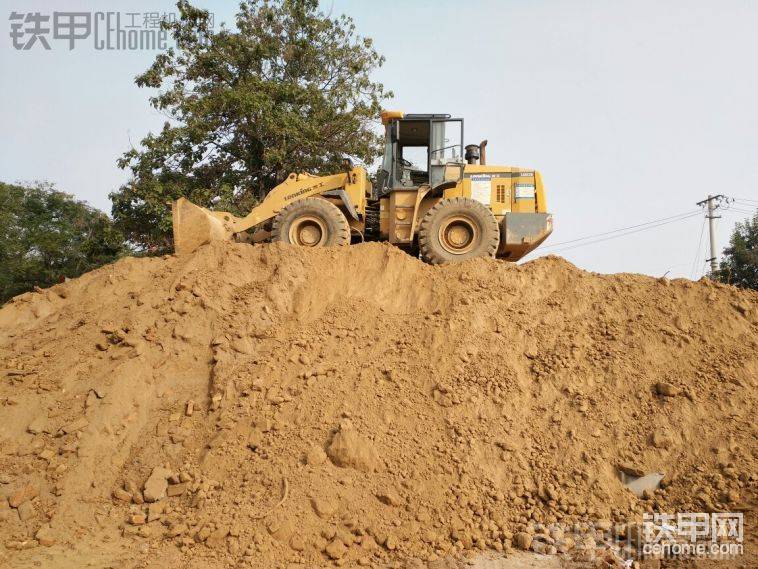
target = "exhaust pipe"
x: 483, y: 152
x: 472, y: 153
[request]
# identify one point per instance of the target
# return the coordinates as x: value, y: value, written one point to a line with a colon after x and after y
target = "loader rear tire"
x: 311, y: 222
x: 458, y: 229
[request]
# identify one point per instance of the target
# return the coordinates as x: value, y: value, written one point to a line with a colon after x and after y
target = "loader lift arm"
x: 195, y: 226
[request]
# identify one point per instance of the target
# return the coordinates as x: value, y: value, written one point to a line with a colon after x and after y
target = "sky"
x: 632, y: 110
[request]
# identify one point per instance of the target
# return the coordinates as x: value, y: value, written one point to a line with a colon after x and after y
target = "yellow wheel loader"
x: 433, y: 196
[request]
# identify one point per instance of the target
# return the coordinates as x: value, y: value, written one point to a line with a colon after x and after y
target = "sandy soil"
x: 267, y: 406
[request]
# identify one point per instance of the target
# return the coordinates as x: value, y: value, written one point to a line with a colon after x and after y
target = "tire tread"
x: 429, y: 251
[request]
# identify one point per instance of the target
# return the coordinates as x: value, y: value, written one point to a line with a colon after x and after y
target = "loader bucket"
x: 195, y: 226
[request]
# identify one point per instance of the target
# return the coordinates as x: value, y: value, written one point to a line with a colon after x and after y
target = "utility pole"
x: 712, y: 202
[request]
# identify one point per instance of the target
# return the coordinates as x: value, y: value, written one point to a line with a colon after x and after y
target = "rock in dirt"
x: 349, y: 449
x: 281, y: 530
x: 123, y: 495
x: 176, y: 489
x: 217, y: 537
x: 45, y: 536
x: 324, y: 507
x: 38, y: 425
x: 26, y: 511
x: 23, y: 494
x: 297, y: 543
x: 631, y: 469
x: 155, y: 511
x: 315, y: 456
x: 667, y: 389
x: 177, y: 530
x: 255, y: 439
x: 660, y: 439
x: 157, y: 484
x: 336, y: 549
x: 389, y: 496
x: 523, y: 540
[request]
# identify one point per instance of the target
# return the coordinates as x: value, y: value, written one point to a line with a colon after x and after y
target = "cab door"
x: 445, y: 147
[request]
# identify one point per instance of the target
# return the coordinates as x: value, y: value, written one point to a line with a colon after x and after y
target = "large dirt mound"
x: 269, y: 405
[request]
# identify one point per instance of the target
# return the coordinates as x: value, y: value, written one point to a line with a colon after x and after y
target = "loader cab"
x: 417, y: 150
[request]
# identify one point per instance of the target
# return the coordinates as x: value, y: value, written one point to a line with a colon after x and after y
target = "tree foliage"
x: 739, y: 265
x: 46, y: 235
x: 288, y: 90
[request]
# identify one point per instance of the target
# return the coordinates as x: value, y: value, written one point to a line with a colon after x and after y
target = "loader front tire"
x: 458, y: 229
x: 311, y: 222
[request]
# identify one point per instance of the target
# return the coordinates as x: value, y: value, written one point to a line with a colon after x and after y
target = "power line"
x: 637, y: 230
x: 731, y: 202
x: 624, y: 234
x: 713, y: 203
x: 742, y: 211
x: 697, y: 251
x: 699, y: 273
x: 655, y: 221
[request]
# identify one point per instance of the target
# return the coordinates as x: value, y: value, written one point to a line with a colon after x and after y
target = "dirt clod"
x: 352, y: 450
x: 157, y: 484
x: 23, y: 495
x: 336, y: 549
x: 667, y: 389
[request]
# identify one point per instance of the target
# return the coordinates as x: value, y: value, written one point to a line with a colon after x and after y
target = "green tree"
x: 289, y: 90
x: 46, y: 235
x: 739, y: 265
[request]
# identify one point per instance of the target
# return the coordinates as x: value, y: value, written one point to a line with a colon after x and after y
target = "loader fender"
x: 346, y: 201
